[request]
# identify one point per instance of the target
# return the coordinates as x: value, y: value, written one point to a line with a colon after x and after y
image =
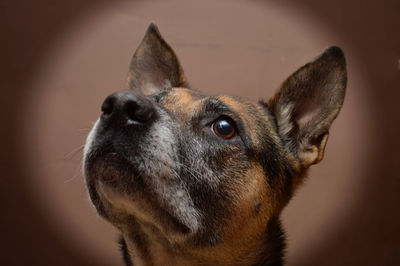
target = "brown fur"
x: 231, y: 191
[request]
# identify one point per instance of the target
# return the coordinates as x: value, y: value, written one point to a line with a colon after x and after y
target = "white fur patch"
x: 284, y: 119
x: 164, y: 170
x: 90, y: 139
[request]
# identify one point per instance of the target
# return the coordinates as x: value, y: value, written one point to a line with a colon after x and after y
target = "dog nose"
x: 127, y: 107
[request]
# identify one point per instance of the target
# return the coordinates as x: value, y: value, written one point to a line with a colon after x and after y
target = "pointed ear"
x: 308, y: 102
x: 154, y: 65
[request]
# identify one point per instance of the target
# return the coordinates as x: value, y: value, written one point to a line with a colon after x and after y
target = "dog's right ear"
x: 154, y: 65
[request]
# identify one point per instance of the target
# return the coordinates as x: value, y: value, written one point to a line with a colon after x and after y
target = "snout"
x: 132, y: 168
x: 118, y: 139
x: 126, y: 108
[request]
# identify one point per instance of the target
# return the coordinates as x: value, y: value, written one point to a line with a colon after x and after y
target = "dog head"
x: 206, y: 171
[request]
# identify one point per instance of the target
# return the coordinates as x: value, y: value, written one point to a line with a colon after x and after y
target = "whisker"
x: 72, y: 153
x: 86, y: 129
x: 77, y: 172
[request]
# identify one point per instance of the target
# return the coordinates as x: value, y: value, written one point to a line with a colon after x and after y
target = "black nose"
x: 127, y: 107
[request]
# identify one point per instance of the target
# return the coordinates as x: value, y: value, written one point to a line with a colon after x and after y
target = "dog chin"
x: 146, y: 213
x: 126, y: 192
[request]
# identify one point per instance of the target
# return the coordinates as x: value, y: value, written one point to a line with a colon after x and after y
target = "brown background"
x: 61, y: 58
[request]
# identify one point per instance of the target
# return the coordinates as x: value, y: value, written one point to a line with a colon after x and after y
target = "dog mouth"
x: 111, y: 169
x: 119, y: 188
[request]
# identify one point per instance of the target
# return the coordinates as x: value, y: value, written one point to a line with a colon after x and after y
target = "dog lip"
x: 110, y: 167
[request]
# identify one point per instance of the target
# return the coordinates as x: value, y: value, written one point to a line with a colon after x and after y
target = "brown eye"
x: 224, y: 128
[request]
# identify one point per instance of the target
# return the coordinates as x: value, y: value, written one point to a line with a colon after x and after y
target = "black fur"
x: 125, y: 253
x: 187, y: 181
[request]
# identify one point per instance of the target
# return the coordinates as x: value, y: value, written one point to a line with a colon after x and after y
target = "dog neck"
x: 141, y: 248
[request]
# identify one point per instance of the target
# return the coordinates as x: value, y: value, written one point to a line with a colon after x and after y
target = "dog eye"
x: 224, y: 128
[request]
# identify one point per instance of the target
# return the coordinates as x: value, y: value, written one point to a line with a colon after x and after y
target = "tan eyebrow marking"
x: 183, y: 102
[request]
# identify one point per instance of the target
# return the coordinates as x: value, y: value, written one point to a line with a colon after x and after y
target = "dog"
x: 191, y: 179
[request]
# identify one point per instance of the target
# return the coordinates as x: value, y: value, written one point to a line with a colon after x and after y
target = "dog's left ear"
x: 154, y: 65
x: 308, y: 102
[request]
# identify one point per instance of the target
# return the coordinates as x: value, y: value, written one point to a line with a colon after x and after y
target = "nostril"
x: 107, y: 106
x: 126, y: 107
x: 138, y: 112
x: 130, y: 109
x: 144, y: 114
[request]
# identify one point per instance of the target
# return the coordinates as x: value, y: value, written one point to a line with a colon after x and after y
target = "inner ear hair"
x: 308, y: 102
